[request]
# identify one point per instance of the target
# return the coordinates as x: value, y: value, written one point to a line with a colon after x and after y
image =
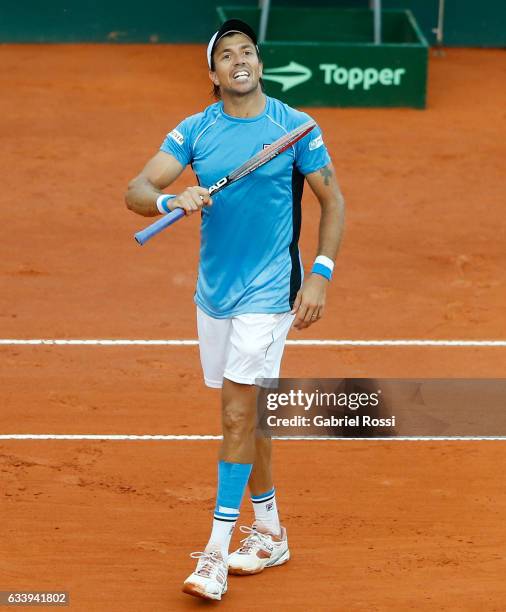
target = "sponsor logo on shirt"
x: 177, y: 136
x: 315, y: 143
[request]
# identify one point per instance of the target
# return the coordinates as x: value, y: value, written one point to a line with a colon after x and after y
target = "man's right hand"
x: 191, y: 200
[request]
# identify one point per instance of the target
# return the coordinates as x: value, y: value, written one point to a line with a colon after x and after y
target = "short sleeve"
x: 311, y: 153
x: 178, y: 143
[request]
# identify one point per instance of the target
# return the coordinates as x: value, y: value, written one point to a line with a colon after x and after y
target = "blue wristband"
x: 319, y: 268
x: 161, y: 203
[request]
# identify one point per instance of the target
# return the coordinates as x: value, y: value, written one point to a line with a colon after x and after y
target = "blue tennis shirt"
x: 249, y: 254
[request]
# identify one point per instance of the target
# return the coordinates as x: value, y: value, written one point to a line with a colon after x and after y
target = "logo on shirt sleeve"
x: 315, y: 143
x: 177, y: 136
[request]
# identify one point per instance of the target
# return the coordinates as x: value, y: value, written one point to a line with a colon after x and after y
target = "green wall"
x: 345, y: 68
x: 109, y: 20
x: 467, y: 23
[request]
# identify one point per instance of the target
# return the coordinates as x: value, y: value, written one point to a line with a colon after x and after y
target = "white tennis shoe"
x: 209, y: 580
x: 260, y: 549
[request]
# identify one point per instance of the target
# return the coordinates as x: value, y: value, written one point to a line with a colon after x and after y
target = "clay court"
x: 398, y: 525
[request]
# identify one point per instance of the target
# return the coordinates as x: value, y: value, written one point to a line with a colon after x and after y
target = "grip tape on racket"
x: 155, y: 228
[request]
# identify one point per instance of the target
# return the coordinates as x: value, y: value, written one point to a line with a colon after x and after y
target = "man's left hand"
x: 310, y: 301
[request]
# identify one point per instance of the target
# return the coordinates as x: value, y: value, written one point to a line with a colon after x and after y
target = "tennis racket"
x: 261, y: 158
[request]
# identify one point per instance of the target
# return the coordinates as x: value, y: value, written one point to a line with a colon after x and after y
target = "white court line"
x: 121, y: 437
x: 364, y: 343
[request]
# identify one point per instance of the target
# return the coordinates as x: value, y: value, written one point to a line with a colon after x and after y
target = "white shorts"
x: 243, y: 348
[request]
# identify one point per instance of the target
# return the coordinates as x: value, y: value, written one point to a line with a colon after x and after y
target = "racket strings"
x: 272, y: 150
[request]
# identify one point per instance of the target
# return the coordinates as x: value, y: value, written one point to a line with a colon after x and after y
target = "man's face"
x: 237, y: 69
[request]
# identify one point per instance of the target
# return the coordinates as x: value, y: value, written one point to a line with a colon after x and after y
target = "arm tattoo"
x: 326, y: 173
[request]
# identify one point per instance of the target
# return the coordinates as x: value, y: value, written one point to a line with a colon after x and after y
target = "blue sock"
x: 232, y: 481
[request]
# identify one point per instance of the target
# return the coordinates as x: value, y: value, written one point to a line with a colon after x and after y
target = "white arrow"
x: 299, y: 74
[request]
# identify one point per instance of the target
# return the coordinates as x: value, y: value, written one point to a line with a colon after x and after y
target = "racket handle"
x: 155, y: 228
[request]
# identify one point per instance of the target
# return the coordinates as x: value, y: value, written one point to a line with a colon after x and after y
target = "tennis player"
x: 250, y: 289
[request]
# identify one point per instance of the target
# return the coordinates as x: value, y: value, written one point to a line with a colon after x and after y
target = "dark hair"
x: 216, y: 88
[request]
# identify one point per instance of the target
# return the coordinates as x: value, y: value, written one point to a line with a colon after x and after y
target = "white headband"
x: 213, y: 40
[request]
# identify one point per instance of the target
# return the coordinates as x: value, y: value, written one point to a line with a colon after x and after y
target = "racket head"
x: 272, y: 150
